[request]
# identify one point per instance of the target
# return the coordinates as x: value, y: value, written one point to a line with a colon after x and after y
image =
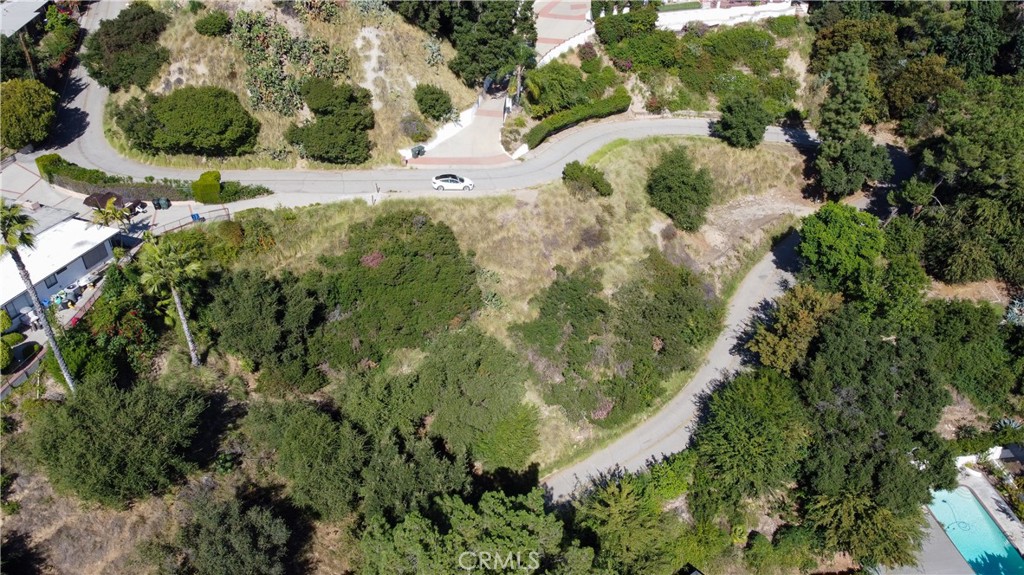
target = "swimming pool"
x: 974, y: 533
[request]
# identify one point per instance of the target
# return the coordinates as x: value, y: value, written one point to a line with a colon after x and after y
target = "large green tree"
x: 114, y: 446
x: 554, y: 87
x: 755, y: 435
x: 681, y: 191
x: 225, y: 537
x: 744, y: 120
x: 979, y: 163
x: 784, y: 341
x: 633, y: 534
x: 27, y: 111
x: 167, y: 267
x: 848, y: 159
x: 872, y: 534
x: 841, y: 247
x: 499, y: 534
x: 491, y: 45
x: 125, y: 51
x: 16, y: 234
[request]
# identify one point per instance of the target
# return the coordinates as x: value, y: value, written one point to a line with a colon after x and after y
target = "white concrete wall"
x: 715, y: 16
x: 448, y: 130
x: 571, y: 43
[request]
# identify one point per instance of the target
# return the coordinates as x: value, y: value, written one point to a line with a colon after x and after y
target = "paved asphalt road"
x: 81, y: 140
x: 668, y: 431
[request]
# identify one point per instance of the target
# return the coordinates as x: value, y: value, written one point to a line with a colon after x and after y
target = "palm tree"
x: 167, y: 266
x: 112, y: 215
x: 15, y: 228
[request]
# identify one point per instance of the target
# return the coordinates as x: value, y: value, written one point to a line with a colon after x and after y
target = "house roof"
x: 14, y: 14
x: 55, y: 248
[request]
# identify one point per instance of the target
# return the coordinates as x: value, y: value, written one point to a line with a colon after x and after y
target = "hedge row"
x: 617, y: 103
x: 210, y: 190
x: 51, y: 165
x: 57, y: 170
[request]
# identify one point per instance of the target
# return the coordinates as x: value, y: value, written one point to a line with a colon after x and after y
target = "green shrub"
x: 203, y: 120
x: 114, y: 446
x: 615, y: 104
x: 415, y: 128
x: 324, y: 98
x: 598, y: 81
x: 223, y: 537
x: 571, y: 319
x: 434, y: 102
x: 6, y: 356
x: 206, y: 190
x: 232, y: 191
x: 402, y: 278
x: 337, y: 138
x: 215, y: 23
x: 782, y: 26
x: 320, y: 457
x: 614, y: 29
x: 194, y: 6
x: 343, y: 117
x: 590, y: 66
x: 125, y: 51
x: 51, y: 165
x: 680, y: 191
x: 583, y: 178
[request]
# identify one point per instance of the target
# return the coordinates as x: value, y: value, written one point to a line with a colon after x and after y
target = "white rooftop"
x: 14, y: 14
x: 55, y: 248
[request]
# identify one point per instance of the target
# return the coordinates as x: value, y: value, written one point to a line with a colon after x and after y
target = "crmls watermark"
x: 495, y: 560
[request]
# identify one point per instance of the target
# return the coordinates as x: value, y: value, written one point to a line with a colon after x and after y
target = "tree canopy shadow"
x: 272, y: 497
x: 19, y: 556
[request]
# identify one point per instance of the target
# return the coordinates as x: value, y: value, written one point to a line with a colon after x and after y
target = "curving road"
x: 668, y: 431
x: 80, y: 139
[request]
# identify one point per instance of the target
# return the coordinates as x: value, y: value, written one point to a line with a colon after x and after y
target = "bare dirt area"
x: 732, y: 230
x: 958, y: 414
x: 81, y: 538
x: 992, y: 291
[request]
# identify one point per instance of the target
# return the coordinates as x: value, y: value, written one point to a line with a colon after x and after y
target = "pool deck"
x: 996, y: 507
x: 938, y: 555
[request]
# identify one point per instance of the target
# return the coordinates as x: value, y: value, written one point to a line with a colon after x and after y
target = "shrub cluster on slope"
x: 124, y: 51
x: 343, y: 118
x: 204, y: 120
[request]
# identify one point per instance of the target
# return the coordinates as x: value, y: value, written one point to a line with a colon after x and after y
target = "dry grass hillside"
x: 519, y: 240
x: 386, y: 55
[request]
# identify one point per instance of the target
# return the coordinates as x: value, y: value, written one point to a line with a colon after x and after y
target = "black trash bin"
x: 418, y: 151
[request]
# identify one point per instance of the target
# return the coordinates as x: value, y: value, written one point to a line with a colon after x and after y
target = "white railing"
x: 214, y: 215
x: 717, y: 16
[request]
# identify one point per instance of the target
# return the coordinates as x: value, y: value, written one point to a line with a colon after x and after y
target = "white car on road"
x: 446, y: 182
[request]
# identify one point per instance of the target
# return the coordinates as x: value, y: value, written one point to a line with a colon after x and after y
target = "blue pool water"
x: 975, y: 534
